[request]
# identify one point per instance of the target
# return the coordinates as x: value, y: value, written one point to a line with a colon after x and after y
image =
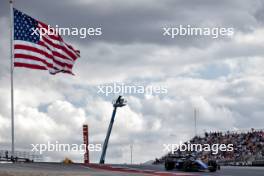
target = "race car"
x: 189, y: 163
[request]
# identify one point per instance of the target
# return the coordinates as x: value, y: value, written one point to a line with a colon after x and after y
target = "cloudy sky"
x: 222, y: 78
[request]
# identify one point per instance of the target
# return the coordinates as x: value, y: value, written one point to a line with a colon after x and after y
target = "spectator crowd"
x: 248, y: 146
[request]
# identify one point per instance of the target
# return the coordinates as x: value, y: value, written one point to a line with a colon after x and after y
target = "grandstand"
x: 248, y: 147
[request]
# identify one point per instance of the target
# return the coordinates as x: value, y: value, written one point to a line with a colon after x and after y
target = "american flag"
x: 47, y: 52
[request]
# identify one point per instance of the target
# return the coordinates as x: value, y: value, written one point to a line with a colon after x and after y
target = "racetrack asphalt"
x: 57, y: 169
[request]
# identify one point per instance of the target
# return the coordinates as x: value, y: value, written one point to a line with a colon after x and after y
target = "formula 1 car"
x: 189, y: 163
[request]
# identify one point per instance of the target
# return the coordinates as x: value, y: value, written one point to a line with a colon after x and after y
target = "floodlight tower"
x: 120, y: 102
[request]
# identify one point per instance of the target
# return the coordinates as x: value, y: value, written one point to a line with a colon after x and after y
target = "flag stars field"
x: 48, y: 52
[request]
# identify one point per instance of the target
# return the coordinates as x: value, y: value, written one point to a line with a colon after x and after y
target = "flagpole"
x: 12, y: 78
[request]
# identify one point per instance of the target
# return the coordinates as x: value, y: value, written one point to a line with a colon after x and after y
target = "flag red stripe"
x: 63, y: 64
x: 55, y: 53
x: 29, y: 48
x: 43, y: 25
x: 30, y: 57
x: 59, y: 47
x: 76, y: 51
x: 59, y: 39
x: 18, y: 64
x: 66, y: 46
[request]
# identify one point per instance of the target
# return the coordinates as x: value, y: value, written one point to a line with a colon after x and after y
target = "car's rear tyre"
x: 212, y: 166
x: 169, y: 165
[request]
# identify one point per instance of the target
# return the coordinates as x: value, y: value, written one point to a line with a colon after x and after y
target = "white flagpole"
x: 11, y: 72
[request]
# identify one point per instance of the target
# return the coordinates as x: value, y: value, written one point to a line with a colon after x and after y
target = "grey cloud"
x: 142, y: 22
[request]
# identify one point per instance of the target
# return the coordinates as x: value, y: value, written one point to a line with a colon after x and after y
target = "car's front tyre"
x: 169, y: 165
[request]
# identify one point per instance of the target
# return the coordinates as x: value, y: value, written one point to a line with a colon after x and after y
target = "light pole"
x: 120, y: 102
x: 195, y: 121
x: 131, y: 154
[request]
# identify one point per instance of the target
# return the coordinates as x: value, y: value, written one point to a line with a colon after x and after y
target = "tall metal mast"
x: 120, y: 102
